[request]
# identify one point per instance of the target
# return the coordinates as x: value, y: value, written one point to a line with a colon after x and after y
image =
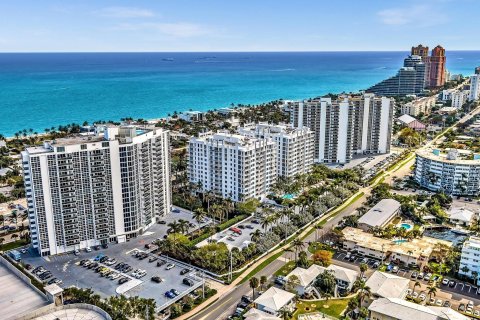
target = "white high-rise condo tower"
x: 232, y: 166
x: 295, y: 146
x: 90, y: 190
x: 346, y: 125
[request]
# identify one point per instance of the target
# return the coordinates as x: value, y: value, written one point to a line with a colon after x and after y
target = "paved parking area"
x: 66, y: 268
x: 460, y: 291
x: 16, y: 297
x: 233, y: 239
x: 177, y: 213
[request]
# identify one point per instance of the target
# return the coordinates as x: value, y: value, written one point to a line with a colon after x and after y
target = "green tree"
x: 253, y: 282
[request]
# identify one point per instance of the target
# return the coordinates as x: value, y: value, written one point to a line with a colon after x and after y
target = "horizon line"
x: 229, y: 51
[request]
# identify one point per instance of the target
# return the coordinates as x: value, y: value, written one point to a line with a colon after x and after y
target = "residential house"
x: 273, y: 300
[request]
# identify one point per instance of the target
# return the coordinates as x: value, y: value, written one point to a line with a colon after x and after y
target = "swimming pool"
x: 399, y: 241
x: 406, y: 226
x: 288, y: 196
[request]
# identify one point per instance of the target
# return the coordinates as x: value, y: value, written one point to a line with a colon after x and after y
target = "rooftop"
x: 461, y: 214
x: 255, y: 314
x: 16, y: 297
x: 405, y: 310
x: 275, y: 298
x: 406, y: 118
x: 307, y: 276
x: 381, y: 213
x: 415, y: 248
x: 387, y: 285
x: 437, y: 155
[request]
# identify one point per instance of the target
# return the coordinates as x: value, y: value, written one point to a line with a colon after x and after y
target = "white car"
x: 170, y: 266
x: 439, y: 302
x: 445, y: 281
x: 409, y: 292
x: 422, y: 297
x: 88, y: 249
x: 414, y: 295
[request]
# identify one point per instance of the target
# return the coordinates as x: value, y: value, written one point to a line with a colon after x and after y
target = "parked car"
x: 170, y: 266
x: 376, y: 265
x: 161, y: 263
x: 452, y: 283
x: 427, y: 276
x: 420, y: 275
x: 461, y: 307
x: 414, y: 295
x: 422, y: 297
x: 175, y: 292
x: 447, y: 304
x: 188, y: 282
x: 184, y: 271
x: 152, y: 259
x: 170, y: 295
x: 439, y: 302
x: 445, y: 281
x: 414, y: 274
x: 395, y: 269
x: 157, y: 279
x: 123, y: 280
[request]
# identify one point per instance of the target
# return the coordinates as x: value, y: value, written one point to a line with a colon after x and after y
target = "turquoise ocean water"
x: 42, y: 90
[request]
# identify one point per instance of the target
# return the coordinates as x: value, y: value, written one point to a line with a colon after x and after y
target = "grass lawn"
x: 286, y: 269
x: 332, y: 307
x: 315, y: 246
x: 12, y: 245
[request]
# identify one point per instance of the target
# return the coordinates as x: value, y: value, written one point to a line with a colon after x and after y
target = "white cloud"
x: 178, y: 29
x: 125, y: 12
x: 419, y: 15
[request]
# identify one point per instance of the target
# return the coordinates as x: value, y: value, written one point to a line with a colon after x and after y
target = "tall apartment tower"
x: 89, y: 190
x: 346, y: 126
x: 232, y: 166
x: 420, y: 51
x: 436, y: 67
x: 295, y: 146
x: 474, y: 87
x: 409, y: 80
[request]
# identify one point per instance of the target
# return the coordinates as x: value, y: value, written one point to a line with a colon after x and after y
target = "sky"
x: 236, y: 25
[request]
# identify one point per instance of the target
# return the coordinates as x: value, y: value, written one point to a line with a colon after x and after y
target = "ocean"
x: 41, y: 90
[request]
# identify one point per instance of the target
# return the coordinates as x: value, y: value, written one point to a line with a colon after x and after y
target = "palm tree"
x: 253, y: 282
x: 431, y: 291
x: 475, y: 277
x: 417, y: 284
x: 263, y: 281
x: 363, y: 290
x: 199, y: 214
x: 363, y: 269
x: 285, y: 313
x: 256, y: 235
x: 183, y: 225
x: 292, y: 282
x: 327, y: 296
x: 298, y: 245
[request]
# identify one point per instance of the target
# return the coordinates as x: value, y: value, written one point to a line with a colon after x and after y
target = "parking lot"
x: 459, y: 290
x: 66, y: 267
x: 235, y: 239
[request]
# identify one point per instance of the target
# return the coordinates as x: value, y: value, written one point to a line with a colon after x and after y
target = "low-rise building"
x: 449, y: 172
x: 380, y: 215
x: 459, y: 98
x: 306, y: 277
x: 410, y: 122
x: 419, y: 106
x: 447, y: 110
x: 470, y: 259
x: 191, y: 116
x: 255, y: 314
x: 461, y: 216
x: 387, y: 285
x: 273, y: 300
x: 399, y: 309
x: 415, y: 251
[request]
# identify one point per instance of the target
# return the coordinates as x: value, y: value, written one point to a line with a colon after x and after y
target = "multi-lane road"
x: 225, y: 305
